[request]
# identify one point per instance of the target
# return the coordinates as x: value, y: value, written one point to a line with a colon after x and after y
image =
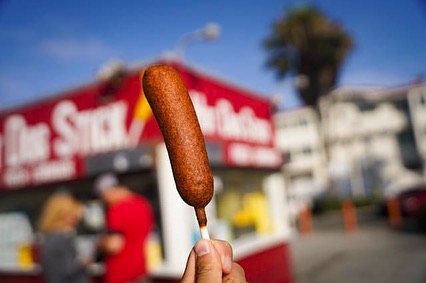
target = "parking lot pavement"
x: 374, y: 253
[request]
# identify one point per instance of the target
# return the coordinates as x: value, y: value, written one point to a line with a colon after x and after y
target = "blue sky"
x: 50, y: 46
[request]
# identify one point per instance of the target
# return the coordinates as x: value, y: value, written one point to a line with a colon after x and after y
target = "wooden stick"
x: 204, y: 233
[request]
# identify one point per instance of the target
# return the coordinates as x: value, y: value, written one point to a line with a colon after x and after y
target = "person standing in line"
x: 129, y: 221
x: 59, y: 260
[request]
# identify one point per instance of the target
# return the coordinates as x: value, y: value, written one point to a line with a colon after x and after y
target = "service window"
x: 242, y: 205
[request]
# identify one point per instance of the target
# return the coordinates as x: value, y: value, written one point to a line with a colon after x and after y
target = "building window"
x: 307, y: 151
x: 423, y: 98
x: 287, y: 157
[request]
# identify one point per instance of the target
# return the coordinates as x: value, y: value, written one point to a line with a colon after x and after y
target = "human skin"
x: 212, y: 261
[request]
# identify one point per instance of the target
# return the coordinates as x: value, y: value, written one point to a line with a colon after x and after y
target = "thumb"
x: 208, y: 263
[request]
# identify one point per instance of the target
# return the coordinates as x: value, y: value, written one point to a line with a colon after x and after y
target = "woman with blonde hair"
x: 59, y: 218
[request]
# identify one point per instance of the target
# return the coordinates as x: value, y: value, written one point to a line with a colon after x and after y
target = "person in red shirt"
x: 129, y: 220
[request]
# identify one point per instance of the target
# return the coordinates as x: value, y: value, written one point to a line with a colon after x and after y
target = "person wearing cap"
x: 129, y: 221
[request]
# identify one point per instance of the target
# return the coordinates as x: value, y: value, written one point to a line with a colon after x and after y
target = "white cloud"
x: 73, y: 49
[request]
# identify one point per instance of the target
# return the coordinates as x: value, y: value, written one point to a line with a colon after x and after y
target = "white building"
x: 370, y: 140
x: 417, y: 101
x: 298, y: 136
x: 365, y: 141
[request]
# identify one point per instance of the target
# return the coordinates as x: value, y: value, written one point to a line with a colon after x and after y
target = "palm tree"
x: 306, y: 42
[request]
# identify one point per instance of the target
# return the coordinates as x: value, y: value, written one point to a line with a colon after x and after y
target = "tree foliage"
x: 306, y: 42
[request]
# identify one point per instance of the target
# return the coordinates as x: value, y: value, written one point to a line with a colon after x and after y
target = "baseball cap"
x: 105, y: 182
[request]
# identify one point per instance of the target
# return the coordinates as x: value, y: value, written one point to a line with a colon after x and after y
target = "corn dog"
x: 173, y: 109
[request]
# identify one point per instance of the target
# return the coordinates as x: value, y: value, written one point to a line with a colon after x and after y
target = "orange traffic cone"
x: 394, y: 212
x: 305, y: 221
x: 349, y: 216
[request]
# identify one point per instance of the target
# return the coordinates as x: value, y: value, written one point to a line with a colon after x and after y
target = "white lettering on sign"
x: 89, y: 131
x: 223, y: 120
x: 246, y: 155
x: 66, y: 143
x: 205, y: 113
x: 53, y: 171
x: 240, y: 154
x: 38, y: 173
x: 42, y: 152
x: 16, y: 177
x: 25, y: 144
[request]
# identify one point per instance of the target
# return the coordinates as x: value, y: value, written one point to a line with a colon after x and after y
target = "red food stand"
x: 66, y: 141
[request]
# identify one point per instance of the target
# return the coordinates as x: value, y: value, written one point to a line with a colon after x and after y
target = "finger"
x: 189, y: 274
x: 237, y: 274
x: 226, y: 254
x: 208, y: 262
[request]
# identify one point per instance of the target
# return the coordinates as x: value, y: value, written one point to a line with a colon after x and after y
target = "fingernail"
x: 227, y: 262
x: 202, y: 247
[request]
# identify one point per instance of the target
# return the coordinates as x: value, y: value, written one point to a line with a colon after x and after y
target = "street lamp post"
x: 209, y: 32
